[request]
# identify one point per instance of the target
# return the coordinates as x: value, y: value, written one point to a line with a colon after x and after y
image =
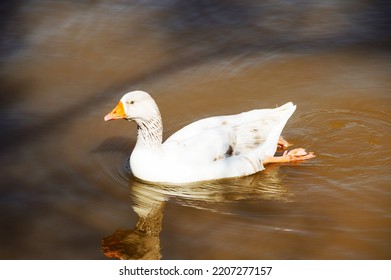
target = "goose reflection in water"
x: 143, y: 242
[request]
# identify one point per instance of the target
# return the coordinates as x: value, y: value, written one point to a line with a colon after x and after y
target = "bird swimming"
x: 208, y: 149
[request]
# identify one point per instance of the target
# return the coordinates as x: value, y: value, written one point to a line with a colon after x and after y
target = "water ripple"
x: 349, y: 139
x: 113, y: 156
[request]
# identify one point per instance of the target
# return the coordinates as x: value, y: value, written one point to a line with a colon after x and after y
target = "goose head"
x: 134, y: 105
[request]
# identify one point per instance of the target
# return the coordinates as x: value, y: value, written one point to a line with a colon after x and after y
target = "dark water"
x: 65, y: 189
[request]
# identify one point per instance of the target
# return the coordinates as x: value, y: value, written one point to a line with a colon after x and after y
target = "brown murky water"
x: 65, y: 189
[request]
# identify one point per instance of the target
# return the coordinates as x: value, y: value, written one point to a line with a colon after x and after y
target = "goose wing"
x: 252, y: 134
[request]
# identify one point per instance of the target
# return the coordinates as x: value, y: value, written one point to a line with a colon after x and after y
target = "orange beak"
x: 117, y: 113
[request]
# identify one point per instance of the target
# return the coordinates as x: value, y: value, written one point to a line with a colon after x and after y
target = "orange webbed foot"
x: 283, y: 144
x: 298, y: 154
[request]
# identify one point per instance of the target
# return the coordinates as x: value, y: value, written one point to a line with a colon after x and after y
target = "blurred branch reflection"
x: 149, y: 199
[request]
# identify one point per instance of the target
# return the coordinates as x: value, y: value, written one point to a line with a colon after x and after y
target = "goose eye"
x: 131, y: 102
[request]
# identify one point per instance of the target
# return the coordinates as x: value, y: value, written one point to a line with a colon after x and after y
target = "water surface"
x: 66, y: 192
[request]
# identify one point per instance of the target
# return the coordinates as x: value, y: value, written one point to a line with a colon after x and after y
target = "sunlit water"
x: 66, y: 191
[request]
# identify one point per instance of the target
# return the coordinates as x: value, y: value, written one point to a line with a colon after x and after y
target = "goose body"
x: 208, y: 149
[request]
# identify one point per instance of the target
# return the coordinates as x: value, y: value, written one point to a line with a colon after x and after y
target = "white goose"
x: 208, y: 149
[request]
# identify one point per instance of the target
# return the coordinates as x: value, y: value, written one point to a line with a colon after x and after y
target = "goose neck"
x: 150, y: 132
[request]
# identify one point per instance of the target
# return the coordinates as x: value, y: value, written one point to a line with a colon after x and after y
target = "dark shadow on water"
x: 11, y: 41
x: 282, y: 25
x: 10, y: 94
